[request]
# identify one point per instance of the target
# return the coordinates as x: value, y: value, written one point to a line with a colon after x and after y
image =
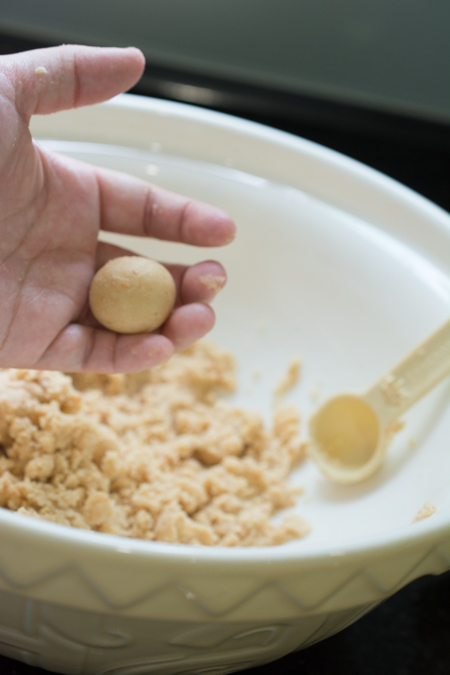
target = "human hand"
x: 52, y: 209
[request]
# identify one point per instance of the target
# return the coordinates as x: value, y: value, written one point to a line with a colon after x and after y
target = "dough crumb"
x: 213, y: 283
x: 41, y: 70
x: 393, y: 390
x: 289, y: 379
x: 392, y: 429
x: 426, y: 511
x: 314, y: 394
x: 156, y: 455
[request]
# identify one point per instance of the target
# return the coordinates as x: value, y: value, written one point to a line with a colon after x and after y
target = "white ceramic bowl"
x: 334, y: 263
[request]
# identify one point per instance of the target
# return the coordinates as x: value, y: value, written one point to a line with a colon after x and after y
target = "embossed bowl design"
x: 334, y: 263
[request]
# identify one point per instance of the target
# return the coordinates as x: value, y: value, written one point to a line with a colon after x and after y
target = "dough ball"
x: 132, y: 295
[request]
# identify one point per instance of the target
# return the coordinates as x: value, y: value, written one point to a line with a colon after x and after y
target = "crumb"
x: 289, y: 379
x: 156, y: 455
x: 412, y: 443
x: 314, y: 394
x: 41, y: 70
x: 426, y: 511
x: 316, y: 391
x: 256, y: 374
x: 393, y: 390
x: 214, y: 283
x: 392, y: 429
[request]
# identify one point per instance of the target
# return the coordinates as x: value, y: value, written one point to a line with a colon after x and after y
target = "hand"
x: 51, y: 211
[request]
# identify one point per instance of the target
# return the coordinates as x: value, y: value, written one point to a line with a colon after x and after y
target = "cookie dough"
x: 157, y: 455
x: 132, y: 294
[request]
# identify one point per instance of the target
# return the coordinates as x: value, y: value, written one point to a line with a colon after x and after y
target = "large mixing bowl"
x: 335, y: 264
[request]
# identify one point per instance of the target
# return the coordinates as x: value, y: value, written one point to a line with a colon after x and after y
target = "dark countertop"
x: 409, y: 634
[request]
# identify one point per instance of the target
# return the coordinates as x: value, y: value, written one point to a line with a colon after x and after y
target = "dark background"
x: 409, y: 634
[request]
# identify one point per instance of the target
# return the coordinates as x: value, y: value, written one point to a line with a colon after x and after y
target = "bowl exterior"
x: 67, y: 640
x: 73, y: 608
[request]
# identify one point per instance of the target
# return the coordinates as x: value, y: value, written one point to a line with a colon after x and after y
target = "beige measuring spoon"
x: 349, y: 433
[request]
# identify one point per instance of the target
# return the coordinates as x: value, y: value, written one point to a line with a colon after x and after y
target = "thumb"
x: 59, y: 78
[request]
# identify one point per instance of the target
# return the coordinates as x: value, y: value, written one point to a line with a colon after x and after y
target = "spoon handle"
x: 413, y: 377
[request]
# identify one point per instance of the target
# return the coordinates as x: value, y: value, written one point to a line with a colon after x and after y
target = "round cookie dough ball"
x: 132, y: 295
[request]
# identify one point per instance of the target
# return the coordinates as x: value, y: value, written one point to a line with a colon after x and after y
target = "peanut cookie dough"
x: 132, y: 294
x: 156, y: 455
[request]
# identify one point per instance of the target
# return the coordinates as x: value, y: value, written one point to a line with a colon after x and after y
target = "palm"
x: 52, y: 209
x: 48, y: 251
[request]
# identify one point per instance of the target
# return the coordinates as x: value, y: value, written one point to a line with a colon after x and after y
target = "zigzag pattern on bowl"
x: 76, y: 641
x: 290, y: 595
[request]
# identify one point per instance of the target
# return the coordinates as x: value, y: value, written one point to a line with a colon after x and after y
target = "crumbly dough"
x: 131, y: 294
x: 426, y: 511
x: 156, y: 455
x: 289, y: 379
x: 213, y: 283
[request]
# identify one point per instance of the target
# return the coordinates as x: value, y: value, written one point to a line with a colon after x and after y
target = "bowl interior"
x: 309, y: 280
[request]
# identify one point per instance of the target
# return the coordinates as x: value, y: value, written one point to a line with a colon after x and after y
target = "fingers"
x: 187, y: 324
x: 133, y: 206
x: 199, y: 283
x: 86, y: 349
x: 70, y: 76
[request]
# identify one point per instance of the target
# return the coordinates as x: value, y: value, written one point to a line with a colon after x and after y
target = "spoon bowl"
x: 348, y: 439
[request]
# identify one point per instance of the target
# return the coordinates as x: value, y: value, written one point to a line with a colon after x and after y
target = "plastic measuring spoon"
x: 349, y: 433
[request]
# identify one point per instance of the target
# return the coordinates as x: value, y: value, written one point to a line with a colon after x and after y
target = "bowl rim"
x: 429, y: 531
